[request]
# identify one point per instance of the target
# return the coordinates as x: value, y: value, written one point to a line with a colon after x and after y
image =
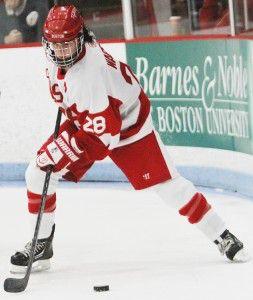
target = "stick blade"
x: 15, y: 285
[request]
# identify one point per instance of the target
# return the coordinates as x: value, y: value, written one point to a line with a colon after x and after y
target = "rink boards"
x: 28, y: 116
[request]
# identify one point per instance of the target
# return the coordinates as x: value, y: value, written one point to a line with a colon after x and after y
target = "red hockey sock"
x: 34, y: 201
x: 196, y: 208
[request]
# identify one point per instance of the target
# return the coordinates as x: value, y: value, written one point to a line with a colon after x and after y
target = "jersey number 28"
x: 96, y: 125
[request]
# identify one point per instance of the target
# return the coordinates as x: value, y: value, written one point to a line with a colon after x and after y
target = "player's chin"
x: 63, y: 58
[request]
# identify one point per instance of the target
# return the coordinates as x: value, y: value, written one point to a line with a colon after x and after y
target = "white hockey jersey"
x: 104, y: 99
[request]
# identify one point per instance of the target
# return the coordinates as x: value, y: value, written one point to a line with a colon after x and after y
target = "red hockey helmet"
x: 63, y: 38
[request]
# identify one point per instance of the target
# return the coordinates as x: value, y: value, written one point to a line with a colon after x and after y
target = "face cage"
x: 67, y: 60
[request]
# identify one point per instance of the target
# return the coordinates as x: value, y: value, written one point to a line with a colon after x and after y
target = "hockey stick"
x: 16, y: 285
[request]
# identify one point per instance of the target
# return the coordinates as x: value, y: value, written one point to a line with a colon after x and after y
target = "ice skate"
x: 231, y: 247
x: 43, y: 254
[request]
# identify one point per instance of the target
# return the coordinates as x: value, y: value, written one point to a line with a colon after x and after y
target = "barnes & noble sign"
x: 200, y: 91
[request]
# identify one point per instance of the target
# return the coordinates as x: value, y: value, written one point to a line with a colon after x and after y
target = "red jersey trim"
x: 142, y: 117
x: 60, y: 74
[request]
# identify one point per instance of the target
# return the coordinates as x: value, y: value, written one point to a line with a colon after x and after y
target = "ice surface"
x: 111, y: 234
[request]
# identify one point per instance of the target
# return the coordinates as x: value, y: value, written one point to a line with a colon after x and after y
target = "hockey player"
x: 107, y: 114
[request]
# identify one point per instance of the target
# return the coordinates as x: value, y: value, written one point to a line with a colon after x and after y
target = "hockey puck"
x: 101, y: 288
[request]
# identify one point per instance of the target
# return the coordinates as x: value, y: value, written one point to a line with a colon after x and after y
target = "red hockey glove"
x: 59, y: 153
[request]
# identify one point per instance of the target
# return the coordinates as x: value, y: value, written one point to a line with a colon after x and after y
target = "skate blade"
x: 38, y: 266
x: 241, y: 257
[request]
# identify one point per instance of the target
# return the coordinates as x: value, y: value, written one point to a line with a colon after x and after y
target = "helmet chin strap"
x: 66, y: 62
